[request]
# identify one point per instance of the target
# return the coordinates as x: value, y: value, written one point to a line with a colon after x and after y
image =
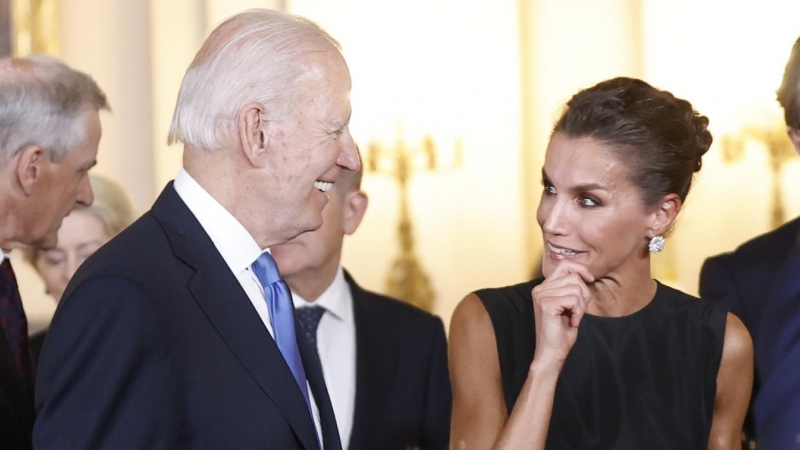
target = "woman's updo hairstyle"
x: 661, y: 139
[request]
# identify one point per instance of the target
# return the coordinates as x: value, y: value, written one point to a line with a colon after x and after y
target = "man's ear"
x: 794, y: 136
x: 31, y: 163
x: 664, y: 215
x: 355, y: 205
x: 253, y: 133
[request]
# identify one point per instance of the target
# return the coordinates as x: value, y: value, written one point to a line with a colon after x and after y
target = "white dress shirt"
x: 236, y: 246
x: 336, y: 343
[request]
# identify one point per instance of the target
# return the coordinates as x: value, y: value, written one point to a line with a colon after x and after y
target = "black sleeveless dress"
x: 645, y: 381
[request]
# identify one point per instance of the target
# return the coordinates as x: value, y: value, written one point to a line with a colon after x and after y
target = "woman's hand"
x: 559, y: 304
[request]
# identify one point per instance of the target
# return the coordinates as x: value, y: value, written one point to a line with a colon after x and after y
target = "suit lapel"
x: 375, y: 364
x: 220, y: 296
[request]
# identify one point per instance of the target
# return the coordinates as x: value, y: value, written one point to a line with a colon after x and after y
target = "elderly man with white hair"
x: 49, y: 133
x: 179, y: 333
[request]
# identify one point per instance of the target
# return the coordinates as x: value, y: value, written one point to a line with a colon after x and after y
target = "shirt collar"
x: 238, y: 248
x: 337, y: 299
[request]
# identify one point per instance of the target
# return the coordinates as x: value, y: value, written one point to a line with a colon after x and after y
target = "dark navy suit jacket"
x: 749, y: 283
x: 16, y: 403
x: 156, y: 346
x: 403, y: 396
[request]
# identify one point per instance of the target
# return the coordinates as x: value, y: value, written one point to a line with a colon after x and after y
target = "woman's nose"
x: 555, y: 219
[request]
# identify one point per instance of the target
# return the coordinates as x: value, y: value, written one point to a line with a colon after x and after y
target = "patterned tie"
x: 13, y: 321
x: 309, y: 318
x: 281, y: 315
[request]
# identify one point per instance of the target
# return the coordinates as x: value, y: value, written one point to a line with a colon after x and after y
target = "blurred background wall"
x: 483, y: 79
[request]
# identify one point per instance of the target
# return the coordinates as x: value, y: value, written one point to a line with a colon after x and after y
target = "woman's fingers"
x: 559, y: 304
x: 567, y: 302
x: 569, y: 283
x: 569, y: 267
x: 566, y: 290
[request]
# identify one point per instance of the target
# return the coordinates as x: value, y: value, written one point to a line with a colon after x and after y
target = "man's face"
x: 310, y: 147
x: 61, y: 186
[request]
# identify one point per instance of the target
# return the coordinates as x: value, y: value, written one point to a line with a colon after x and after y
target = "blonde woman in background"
x: 81, y: 233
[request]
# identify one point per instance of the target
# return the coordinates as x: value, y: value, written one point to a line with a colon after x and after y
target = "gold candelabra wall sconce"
x: 35, y: 27
x: 779, y: 150
x: 407, y: 279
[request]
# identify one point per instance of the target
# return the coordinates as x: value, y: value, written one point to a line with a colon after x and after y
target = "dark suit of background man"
x: 384, y: 361
x: 170, y: 336
x: 760, y: 283
x: 49, y: 133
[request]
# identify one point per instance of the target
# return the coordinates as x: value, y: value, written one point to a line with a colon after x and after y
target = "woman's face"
x: 590, y: 213
x: 80, y: 235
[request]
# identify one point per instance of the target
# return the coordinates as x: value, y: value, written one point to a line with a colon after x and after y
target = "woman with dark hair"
x: 597, y: 354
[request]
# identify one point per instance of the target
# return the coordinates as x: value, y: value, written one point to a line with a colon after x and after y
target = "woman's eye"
x: 589, y: 201
x: 550, y: 190
x: 53, y: 261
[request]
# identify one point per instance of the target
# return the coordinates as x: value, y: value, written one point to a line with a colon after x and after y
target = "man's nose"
x: 85, y: 195
x: 348, y: 156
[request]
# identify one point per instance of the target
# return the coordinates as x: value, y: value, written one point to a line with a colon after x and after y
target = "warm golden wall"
x: 449, y: 68
x: 491, y: 73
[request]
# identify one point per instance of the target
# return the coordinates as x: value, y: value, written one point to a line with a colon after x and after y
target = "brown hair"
x: 660, y: 138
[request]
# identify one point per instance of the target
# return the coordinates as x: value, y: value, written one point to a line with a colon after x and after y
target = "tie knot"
x: 310, y: 316
x: 266, y: 270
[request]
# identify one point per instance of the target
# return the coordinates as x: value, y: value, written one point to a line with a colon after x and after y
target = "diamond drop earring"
x: 656, y: 244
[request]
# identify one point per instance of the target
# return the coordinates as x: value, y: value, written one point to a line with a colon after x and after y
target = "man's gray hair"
x: 42, y: 101
x: 251, y: 57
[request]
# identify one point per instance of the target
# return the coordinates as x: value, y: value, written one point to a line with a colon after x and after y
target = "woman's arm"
x: 479, y: 409
x: 734, y: 383
x: 480, y: 419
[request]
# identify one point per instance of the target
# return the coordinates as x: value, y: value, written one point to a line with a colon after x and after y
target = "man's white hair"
x: 42, y: 101
x: 251, y: 57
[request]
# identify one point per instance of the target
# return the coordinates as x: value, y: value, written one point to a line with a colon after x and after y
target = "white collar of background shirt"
x: 336, y: 299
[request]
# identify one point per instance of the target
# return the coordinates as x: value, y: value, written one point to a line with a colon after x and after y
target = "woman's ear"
x: 30, y: 166
x: 355, y: 206
x: 664, y: 215
x: 253, y: 133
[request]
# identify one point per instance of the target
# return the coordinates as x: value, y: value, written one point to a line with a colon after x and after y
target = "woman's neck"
x: 622, y: 292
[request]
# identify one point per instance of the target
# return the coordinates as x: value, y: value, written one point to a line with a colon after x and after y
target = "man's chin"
x: 48, y: 242
x: 312, y: 224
